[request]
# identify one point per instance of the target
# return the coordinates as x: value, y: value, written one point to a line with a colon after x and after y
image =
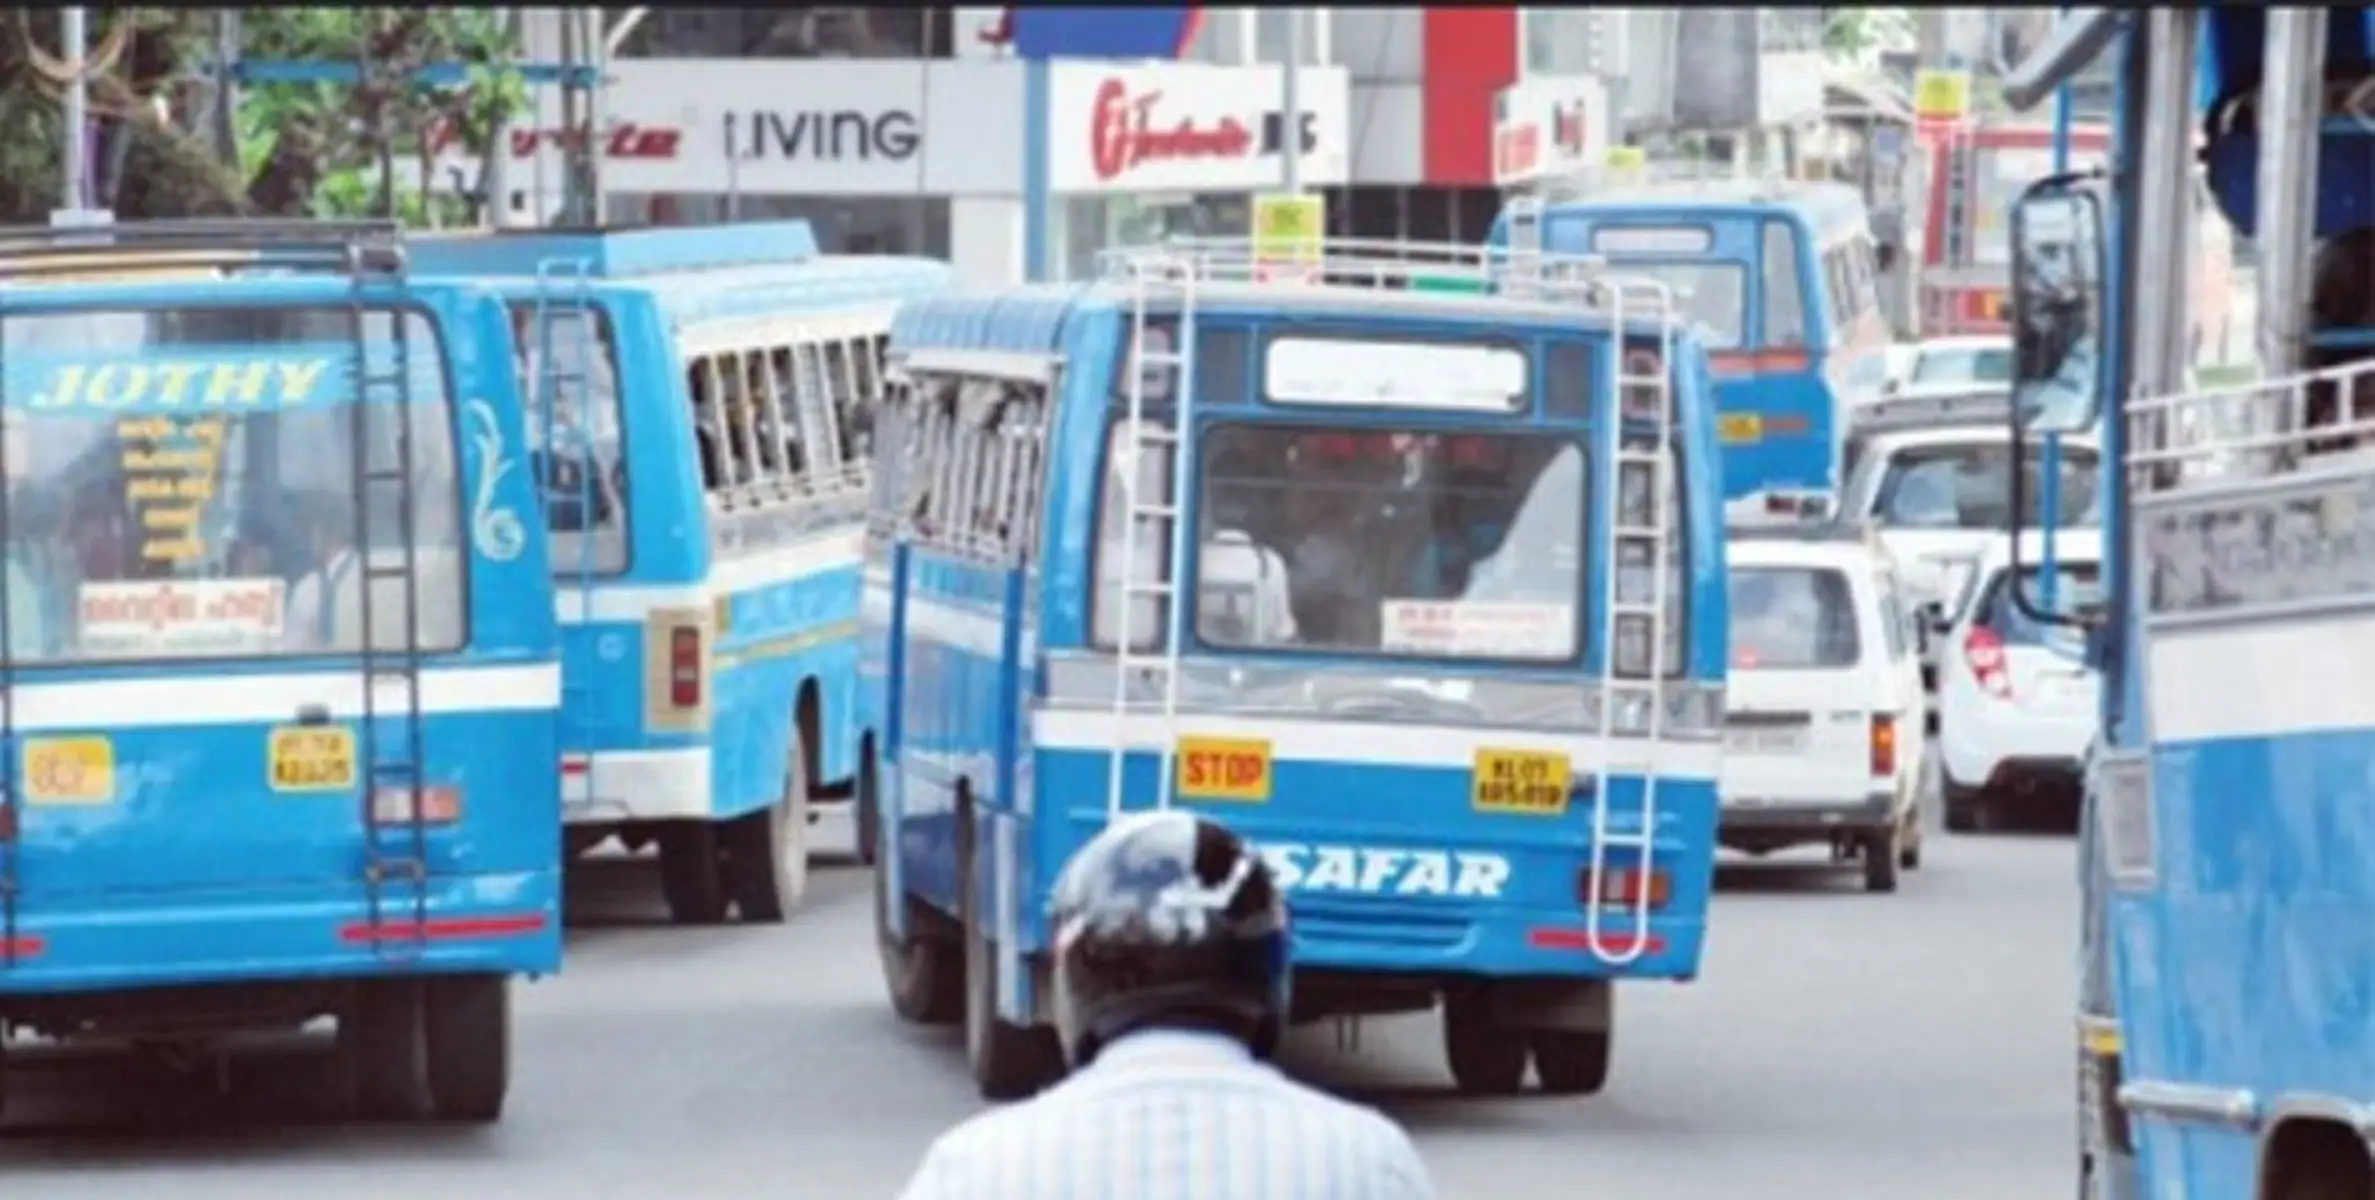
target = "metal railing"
x: 1379, y: 264
x: 2189, y: 440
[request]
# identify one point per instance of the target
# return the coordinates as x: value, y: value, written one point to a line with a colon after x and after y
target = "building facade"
x: 902, y: 130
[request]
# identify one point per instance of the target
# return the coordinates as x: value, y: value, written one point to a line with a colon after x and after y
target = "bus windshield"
x: 1712, y: 295
x: 1400, y: 542
x: 1968, y: 485
x: 182, y: 483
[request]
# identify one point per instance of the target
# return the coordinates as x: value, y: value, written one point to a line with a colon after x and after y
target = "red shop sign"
x: 626, y: 139
x: 1125, y: 132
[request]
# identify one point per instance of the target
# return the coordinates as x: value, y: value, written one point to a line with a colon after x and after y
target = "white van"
x: 1823, y: 735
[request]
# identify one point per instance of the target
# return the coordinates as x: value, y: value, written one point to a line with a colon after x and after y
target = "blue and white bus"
x: 282, y: 682
x: 700, y: 401
x: 1782, y: 279
x: 2233, y: 792
x: 1421, y: 591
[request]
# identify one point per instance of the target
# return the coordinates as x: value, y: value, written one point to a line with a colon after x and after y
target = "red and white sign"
x: 1184, y: 127
x: 169, y: 617
x: 1547, y: 127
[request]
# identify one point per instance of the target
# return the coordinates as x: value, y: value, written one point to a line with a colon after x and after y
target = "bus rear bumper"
x: 1499, y: 945
x: 102, y: 942
x: 611, y: 787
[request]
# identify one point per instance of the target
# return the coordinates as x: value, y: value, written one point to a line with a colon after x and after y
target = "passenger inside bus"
x: 1370, y: 531
x: 2342, y: 297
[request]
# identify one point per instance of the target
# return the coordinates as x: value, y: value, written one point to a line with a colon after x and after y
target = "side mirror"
x: 2057, y: 276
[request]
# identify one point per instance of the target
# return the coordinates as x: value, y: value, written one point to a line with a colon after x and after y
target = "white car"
x: 2017, y: 703
x: 1963, y: 360
x: 1822, y: 739
x: 1940, y: 495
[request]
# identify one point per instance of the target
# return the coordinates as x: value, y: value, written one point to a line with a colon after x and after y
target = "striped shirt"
x: 1163, y: 1115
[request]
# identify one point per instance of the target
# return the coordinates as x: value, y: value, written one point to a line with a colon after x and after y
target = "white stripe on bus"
x: 1371, y: 743
x: 2262, y: 679
x: 157, y: 701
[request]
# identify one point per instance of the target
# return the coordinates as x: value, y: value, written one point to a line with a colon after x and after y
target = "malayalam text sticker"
x: 1528, y: 782
x: 312, y: 758
x: 1224, y: 769
x: 69, y: 770
x: 1740, y: 428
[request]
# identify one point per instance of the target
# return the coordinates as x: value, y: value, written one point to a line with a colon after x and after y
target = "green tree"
x: 300, y: 149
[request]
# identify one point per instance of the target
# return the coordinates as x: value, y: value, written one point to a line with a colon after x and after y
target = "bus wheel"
x: 692, y: 873
x: 379, y: 1050
x: 1009, y: 1061
x: 1968, y: 809
x: 924, y: 975
x: 1486, y: 1057
x: 1572, y: 1062
x: 466, y: 1027
x: 767, y: 851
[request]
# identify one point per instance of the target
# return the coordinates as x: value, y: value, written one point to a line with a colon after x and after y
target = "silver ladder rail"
x: 407, y: 867
x: 564, y: 293
x: 1644, y: 397
x: 1159, y: 284
x: 12, y: 828
x: 1524, y: 236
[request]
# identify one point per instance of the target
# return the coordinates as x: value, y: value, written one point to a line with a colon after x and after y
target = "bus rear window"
x: 1399, y: 542
x: 183, y: 484
x: 1712, y: 295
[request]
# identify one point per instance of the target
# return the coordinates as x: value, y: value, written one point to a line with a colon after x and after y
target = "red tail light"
x: 1625, y: 887
x: 1984, y: 651
x: 1884, y: 745
x: 684, y: 667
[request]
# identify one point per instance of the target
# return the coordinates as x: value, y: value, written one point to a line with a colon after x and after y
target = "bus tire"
x: 692, y: 873
x: 1009, y: 1062
x: 767, y: 851
x: 1486, y: 1057
x: 379, y: 1050
x: 466, y: 1044
x: 925, y: 976
x: 1572, y: 1062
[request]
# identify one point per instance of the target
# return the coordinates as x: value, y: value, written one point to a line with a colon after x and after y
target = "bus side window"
x: 935, y: 505
x: 845, y: 392
x: 813, y: 414
x: 750, y: 372
x: 770, y: 392
x: 1838, y: 299
x: 1153, y: 547
x: 1633, y: 491
x: 794, y: 449
x: 1785, y: 308
x: 891, y: 454
x: 1027, y: 425
x: 871, y: 389
x: 708, y: 430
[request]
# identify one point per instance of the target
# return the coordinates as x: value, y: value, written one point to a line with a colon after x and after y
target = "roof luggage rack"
x: 1979, y: 405
x: 1381, y: 265
x: 369, y: 248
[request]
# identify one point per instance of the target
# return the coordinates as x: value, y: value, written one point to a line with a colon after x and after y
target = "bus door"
x: 208, y: 508
x: 569, y: 377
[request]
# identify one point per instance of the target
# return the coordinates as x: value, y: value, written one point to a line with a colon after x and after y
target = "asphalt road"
x: 1838, y: 1044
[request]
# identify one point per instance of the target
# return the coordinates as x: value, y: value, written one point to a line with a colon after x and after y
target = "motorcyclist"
x: 1171, y: 990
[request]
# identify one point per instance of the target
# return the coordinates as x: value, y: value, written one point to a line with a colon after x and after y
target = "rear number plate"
x: 1531, y: 782
x: 1765, y: 741
x: 312, y: 758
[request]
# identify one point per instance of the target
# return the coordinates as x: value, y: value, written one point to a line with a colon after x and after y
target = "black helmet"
x: 1169, y: 920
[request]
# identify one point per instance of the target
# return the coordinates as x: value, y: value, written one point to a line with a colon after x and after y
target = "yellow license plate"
x: 1224, y: 769
x: 69, y: 770
x: 312, y: 758
x: 1735, y: 428
x: 1530, y: 782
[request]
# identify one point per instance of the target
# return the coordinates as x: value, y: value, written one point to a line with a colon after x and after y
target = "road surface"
x: 1838, y: 1044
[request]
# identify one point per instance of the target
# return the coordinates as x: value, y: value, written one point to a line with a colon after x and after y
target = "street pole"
x: 71, y: 30
x: 1291, y: 103
x: 2049, y: 487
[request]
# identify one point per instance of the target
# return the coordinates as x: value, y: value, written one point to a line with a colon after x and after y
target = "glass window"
x: 1391, y: 541
x: 2000, y: 174
x: 1969, y: 486
x: 185, y: 484
x: 1893, y: 618
x: 2078, y: 585
x: 1144, y: 560
x: 800, y: 31
x: 1793, y: 618
x: 1964, y: 364
x: 1713, y: 295
x: 1785, y: 302
x: 569, y: 372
